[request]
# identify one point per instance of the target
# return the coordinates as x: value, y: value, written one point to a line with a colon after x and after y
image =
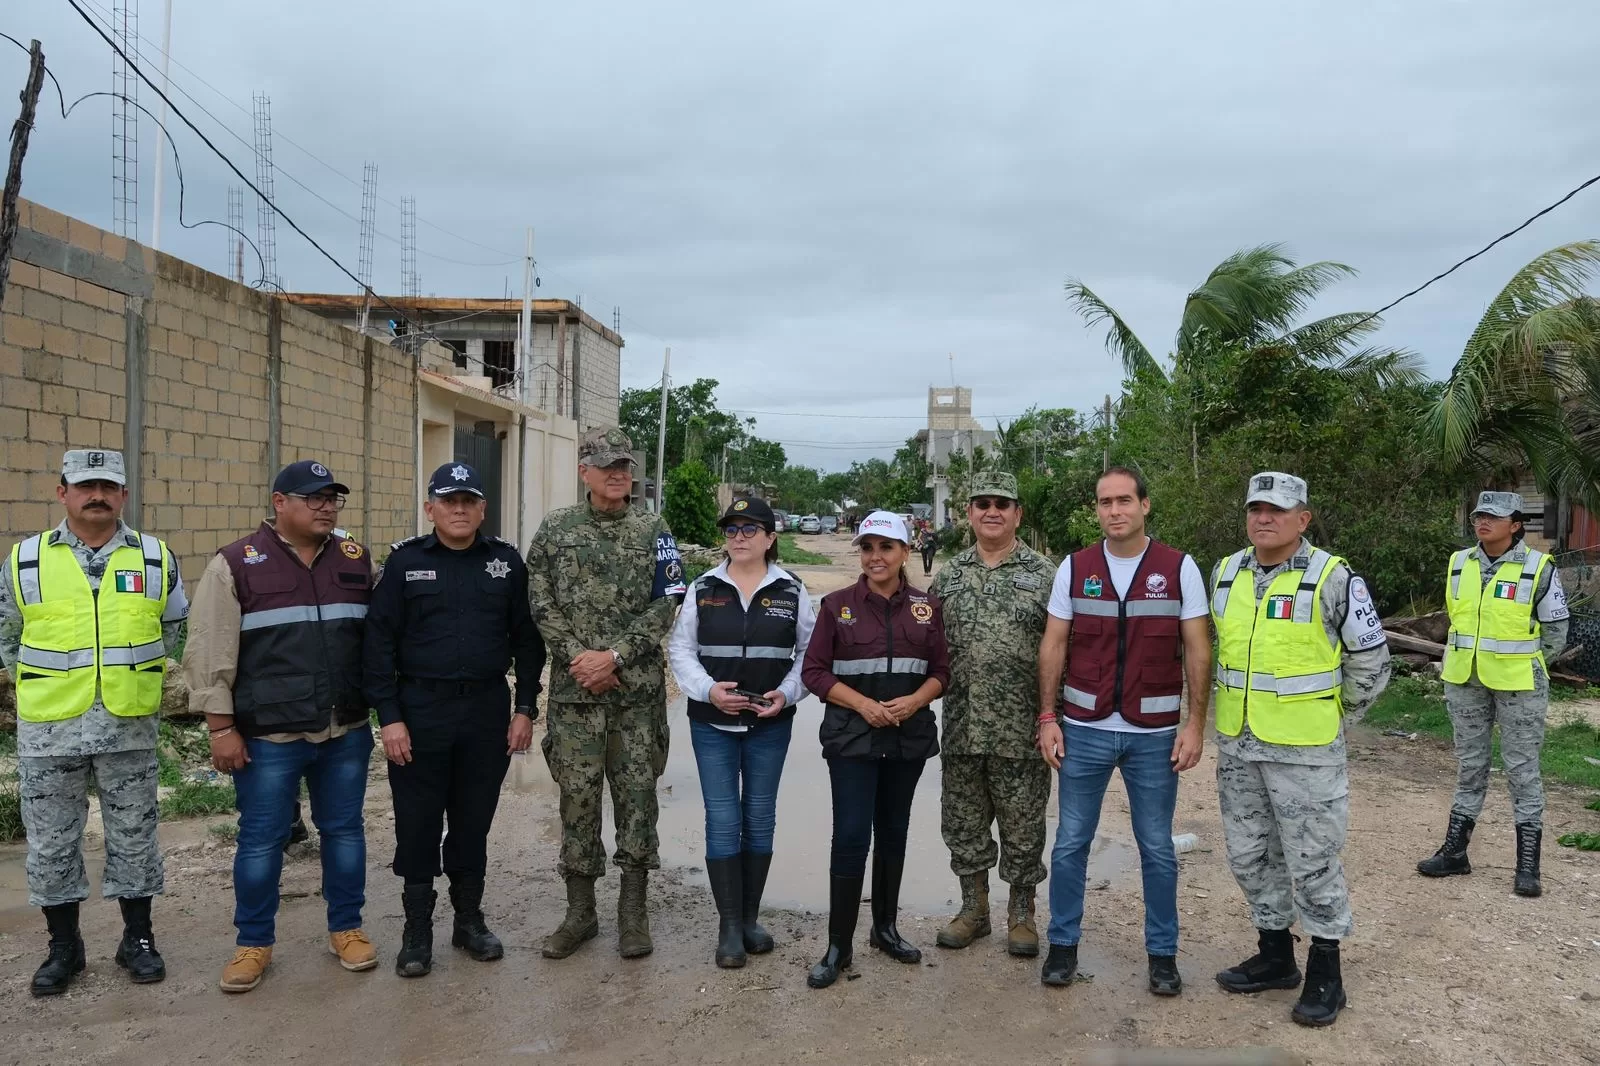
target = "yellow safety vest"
x: 1274, y: 660
x: 74, y: 642
x: 1493, y: 627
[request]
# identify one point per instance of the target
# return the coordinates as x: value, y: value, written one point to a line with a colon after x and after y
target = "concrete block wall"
x: 599, y: 373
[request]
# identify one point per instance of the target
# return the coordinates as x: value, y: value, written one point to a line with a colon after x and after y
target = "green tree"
x: 691, y: 510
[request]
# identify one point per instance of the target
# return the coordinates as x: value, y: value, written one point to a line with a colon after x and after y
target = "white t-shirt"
x: 1196, y: 603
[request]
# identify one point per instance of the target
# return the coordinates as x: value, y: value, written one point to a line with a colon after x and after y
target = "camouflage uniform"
x: 1286, y: 808
x: 56, y: 759
x: 1474, y: 709
x: 993, y: 621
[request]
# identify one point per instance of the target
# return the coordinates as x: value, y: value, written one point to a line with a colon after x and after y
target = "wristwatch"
x: 616, y: 658
x: 530, y: 711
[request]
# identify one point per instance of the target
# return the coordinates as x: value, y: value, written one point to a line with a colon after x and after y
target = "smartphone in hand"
x: 757, y: 700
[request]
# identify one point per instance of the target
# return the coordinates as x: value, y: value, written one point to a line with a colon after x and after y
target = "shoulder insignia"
x: 397, y: 545
x: 351, y: 549
x: 504, y: 543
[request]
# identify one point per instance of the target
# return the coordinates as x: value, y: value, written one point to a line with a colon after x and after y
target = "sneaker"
x: 244, y: 970
x: 355, y: 951
x: 1060, y: 966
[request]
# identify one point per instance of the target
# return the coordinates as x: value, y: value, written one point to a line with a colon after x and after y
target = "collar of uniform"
x: 273, y: 525
x: 973, y: 557
x: 62, y: 534
x: 774, y: 573
x: 605, y: 516
x: 1517, y: 553
x: 431, y: 541
x: 865, y: 589
x: 1300, y: 560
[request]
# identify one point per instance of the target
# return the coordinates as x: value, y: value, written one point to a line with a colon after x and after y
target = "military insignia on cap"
x: 740, y: 505
x: 497, y: 568
x: 319, y: 470
x: 922, y: 612
x: 1264, y: 482
x: 459, y: 472
x: 97, y: 458
x: 352, y: 549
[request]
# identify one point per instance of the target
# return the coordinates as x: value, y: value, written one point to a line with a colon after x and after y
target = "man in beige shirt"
x: 274, y: 663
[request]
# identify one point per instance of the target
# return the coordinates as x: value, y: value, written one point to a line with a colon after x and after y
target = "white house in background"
x: 951, y: 429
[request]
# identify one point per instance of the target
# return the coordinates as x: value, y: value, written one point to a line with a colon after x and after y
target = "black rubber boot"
x: 1060, y: 966
x: 844, y: 904
x: 1322, y: 998
x: 886, y: 875
x: 1271, y: 967
x: 757, y: 941
x: 416, y: 940
x: 727, y: 885
x: 1451, y: 858
x: 137, y: 953
x: 1164, y: 977
x: 1529, y: 840
x: 65, y: 960
x: 297, y: 829
x: 470, y: 934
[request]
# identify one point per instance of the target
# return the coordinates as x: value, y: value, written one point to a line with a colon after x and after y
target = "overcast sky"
x: 819, y: 203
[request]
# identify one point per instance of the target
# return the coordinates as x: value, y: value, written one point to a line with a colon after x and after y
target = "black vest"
x: 754, y: 648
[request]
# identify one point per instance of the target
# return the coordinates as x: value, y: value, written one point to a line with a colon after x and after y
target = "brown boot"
x: 580, y: 924
x: 972, y: 921
x: 633, y: 916
x: 1022, y: 936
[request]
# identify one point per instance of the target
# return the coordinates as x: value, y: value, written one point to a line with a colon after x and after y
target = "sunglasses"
x: 997, y: 503
x: 732, y: 531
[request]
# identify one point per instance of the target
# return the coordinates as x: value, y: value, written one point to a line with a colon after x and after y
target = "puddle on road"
x: 799, y: 877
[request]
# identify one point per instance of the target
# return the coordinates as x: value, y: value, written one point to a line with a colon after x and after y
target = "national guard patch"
x: 922, y: 612
x: 351, y: 549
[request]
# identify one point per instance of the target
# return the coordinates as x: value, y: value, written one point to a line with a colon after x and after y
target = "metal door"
x: 479, y: 447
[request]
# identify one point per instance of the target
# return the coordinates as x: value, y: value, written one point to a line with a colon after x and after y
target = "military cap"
x: 1279, y: 489
x: 993, y: 483
x: 605, y: 446
x: 1499, y: 504
x: 93, y: 465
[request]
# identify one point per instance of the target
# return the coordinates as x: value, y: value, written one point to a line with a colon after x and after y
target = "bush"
x: 192, y: 798
x: 691, y: 510
x: 10, y: 815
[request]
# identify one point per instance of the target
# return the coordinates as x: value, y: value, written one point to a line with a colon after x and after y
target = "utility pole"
x: 661, y: 437
x: 161, y: 127
x: 19, y: 148
x: 525, y: 385
x: 1105, y: 454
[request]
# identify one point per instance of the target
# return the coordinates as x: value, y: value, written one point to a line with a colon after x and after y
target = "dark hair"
x: 1138, y: 480
x: 1522, y: 527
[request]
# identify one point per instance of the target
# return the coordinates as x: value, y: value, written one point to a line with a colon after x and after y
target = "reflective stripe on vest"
x: 282, y: 616
x: 1493, y: 635
x: 1148, y: 705
x: 76, y: 644
x: 880, y: 665
x: 751, y: 651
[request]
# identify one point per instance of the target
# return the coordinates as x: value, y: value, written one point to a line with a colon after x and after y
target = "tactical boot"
x: 972, y: 921
x: 65, y: 960
x: 1022, y: 936
x: 471, y: 934
x: 1060, y: 965
x: 1271, y: 967
x: 1451, y: 858
x: 580, y: 924
x: 844, y: 904
x: 633, y: 916
x: 1529, y: 839
x: 886, y: 875
x: 137, y: 953
x: 727, y: 877
x: 1322, y: 998
x: 757, y: 941
x: 416, y: 940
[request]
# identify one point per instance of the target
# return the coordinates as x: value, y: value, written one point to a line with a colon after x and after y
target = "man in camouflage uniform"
x: 1286, y: 804
x: 993, y: 597
x: 1496, y: 669
x: 65, y: 731
x: 605, y: 582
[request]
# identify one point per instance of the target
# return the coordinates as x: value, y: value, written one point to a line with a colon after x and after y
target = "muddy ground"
x: 1454, y: 971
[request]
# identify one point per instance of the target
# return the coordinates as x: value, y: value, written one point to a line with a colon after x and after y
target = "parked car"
x: 778, y: 524
x: 810, y: 524
x: 830, y: 523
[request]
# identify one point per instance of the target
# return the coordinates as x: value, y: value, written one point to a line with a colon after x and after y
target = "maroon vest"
x: 1126, y: 655
x: 300, y: 634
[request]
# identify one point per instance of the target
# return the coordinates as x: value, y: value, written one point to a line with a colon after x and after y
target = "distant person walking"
x: 928, y: 544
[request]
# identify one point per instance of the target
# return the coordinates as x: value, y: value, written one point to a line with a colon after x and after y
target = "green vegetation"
x: 10, y: 814
x: 1581, y: 841
x: 228, y: 831
x: 189, y: 799
x: 8, y: 741
x: 691, y: 511
x: 789, y: 551
x: 1417, y: 705
x: 178, y: 746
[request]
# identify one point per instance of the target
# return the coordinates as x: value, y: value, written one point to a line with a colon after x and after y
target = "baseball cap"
x: 882, y: 524
x: 1498, y: 504
x: 605, y: 446
x: 305, y: 477
x: 751, y: 509
x: 83, y: 465
x: 1279, y: 489
x: 456, y: 477
x: 993, y: 483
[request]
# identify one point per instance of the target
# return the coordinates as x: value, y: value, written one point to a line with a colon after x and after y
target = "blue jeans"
x: 1146, y: 763
x: 739, y: 775
x: 266, y: 789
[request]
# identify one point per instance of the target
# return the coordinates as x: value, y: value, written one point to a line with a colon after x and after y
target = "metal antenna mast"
x: 369, y: 221
x: 409, y: 282
x: 236, y: 233
x: 266, y: 218
x: 125, y: 120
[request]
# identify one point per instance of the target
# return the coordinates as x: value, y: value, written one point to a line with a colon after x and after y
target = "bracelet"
x: 1049, y: 716
x: 224, y: 731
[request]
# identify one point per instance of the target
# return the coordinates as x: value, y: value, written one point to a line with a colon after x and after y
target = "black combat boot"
x: 470, y: 934
x: 1060, y: 965
x: 1451, y: 858
x: 137, y: 953
x: 65, y: 960
x: 886, y: 875
x: 416, y: 940
x: 298, y: 833
x: 1529, y: 839
x: 1322, y: 998
x: 727, y: 885
x: 844, y: 904
x: 1271, y: 967
x: 757, y: 941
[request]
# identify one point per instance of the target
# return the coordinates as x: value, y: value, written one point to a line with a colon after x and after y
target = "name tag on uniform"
x: 1026, y: 581
x: 421, y: 575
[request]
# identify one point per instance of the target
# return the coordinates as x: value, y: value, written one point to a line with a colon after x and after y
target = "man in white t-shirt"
x: 1127, y: 625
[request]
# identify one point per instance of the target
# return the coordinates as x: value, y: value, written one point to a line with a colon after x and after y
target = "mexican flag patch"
x: 130, y: 580
x: 1505, y: 590
x: 1280, y: 606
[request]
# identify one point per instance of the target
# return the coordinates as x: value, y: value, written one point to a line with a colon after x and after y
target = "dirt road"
x: 1458, y: 971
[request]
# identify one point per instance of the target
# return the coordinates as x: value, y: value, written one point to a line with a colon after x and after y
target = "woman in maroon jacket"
x: 878, y: 659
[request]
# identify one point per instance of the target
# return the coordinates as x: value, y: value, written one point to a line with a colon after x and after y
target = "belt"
x: 453, y: 688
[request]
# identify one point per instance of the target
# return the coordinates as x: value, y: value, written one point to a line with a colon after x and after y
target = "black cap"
x: 455, y: 477
x: 305, y: 477
x: 751, y: 509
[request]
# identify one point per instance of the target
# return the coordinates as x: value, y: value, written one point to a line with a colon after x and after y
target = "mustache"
x: 96, y: 505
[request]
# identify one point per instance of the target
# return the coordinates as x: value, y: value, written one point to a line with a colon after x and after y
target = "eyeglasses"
x: 321, y: 501
x: 997, y: 503
x: 746, y: 532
